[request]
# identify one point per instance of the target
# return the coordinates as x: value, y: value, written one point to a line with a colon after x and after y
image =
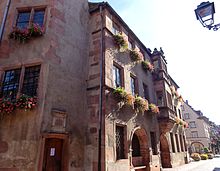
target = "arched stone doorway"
x: 140, y: 150
x: 197, y: 147
x: 165, y: 152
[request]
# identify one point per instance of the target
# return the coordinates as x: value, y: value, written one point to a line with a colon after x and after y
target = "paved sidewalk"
x: 205, y: 165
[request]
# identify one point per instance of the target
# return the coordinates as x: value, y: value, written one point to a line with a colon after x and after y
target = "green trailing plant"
x: 153, y: 108
x: 120, y: 94
x: 22, y: 35
x: 140, y: 104
x: 135, y: 55
x: 147, y: 66
x: 120, y: 41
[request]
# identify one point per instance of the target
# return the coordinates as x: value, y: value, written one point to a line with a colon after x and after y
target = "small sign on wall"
x: 52, y: 151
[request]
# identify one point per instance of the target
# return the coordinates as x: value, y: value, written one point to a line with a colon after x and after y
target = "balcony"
x: 166, y: 119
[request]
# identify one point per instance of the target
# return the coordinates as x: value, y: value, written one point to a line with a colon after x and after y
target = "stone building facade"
x: 73, y: 68
x: 53, y: 68
x: 198, y: 131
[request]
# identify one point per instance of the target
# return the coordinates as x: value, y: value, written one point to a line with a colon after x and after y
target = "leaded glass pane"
x: 31, y: 77
x: 10, y: 84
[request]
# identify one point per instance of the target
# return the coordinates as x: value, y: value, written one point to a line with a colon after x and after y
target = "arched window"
x: 135, y: 146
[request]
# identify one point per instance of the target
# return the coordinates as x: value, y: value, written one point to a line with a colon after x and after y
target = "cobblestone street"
x: 203, y: 165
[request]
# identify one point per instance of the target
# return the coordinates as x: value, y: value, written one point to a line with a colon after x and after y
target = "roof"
x: 94, y: 7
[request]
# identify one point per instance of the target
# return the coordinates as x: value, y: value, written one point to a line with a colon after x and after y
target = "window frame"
x: 21, y: 79
x: 114, y: 76
x: 190, y: 124
x: 123, y: 141
x: 153, y: 137
x: 146, y: 93
x: 32, y: 10
x: 186, y: 114
x: 135, y: 84
x: 194, y: 133
x: 116, y: 29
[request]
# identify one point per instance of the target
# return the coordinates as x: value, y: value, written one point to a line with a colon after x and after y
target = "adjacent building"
x: 71, y: 61
x: 198, y: 131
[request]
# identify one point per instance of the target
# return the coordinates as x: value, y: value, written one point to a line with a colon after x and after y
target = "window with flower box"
x: 20, y: 81
x: 28, y: 16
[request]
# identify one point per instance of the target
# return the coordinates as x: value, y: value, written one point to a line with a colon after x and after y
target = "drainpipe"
x: 101, y: 91
x: 4, y: 19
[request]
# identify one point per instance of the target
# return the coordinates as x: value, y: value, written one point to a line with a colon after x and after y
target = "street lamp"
x: 205, y: 14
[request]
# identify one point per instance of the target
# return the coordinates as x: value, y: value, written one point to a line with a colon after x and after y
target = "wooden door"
x: 53, y: 154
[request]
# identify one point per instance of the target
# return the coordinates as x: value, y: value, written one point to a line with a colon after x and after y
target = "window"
x: 153, y: 143
x: 172, y: 142
x: 177, y: 142
x: 120, y: 152
x: 12, y: 82
x: 184, y: 142
x: 181, y: 142
x: 169, y: 100
x: 31, y: 77
x: 142, y: 52
x: 130, y: 45
x: 175, y: 110
x: 135, y: 146
x: 117, y: 79
x: 39, y: 17
x: 24, y: 18
x: 133, y: 85
x: 180, y: 115
x: 146, y: 92
x: 160, y: 100
x: 115, y: 28
x: 186, y: 116
x: 192, y: 124
x: 194, y: 134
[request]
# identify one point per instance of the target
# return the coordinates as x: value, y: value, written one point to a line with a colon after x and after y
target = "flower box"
x: 147, y: 66
x: 153, y: 108
x: 120, y: 41
x: 135, y: 55
x: 22, y: 35
x: 23, y: 102
x: 140, y: 104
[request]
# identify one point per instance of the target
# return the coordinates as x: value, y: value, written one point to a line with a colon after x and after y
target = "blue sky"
x: 192, y: 51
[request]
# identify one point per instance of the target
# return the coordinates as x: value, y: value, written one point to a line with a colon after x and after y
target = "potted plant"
x: 135, y: 55
x: 140, y: 104
x: 120, y: 41
x: 147, y: 66
x: 153, y: 108
x: 26, y: 102
x: 22, y: 35
x: 6, y: 106
x: 23, y: 102
x: 120, y: 94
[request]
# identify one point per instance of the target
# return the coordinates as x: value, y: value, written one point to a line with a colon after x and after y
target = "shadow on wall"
x: 216, y: 169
